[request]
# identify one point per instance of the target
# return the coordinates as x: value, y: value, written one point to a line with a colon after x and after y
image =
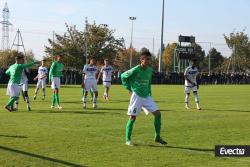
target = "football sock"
x: 11, y: 101
x: 57, y: 99
x: 196, y: 97
x: 84, y: 99
x: 129, y: 129
x: 157, y: 123
x: 53, y: 100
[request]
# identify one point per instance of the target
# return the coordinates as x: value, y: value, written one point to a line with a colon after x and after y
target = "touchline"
x: 236, y: 151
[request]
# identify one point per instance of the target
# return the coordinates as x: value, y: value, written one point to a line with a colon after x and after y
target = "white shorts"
x: 24, y: 86
x: 137, y: 103
x: 188, y: 89
x: 56, y: 83
x: 13, y: 90
x: 41, y: 83
x: 107, y: 84
x: 90, y: 84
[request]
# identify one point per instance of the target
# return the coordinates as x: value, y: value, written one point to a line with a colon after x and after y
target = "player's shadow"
x: 184, y: 148
x: 14, y: 136
x: 62, y: 162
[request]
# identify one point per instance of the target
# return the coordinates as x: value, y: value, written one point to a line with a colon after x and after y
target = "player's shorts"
x: 188, y: 89
x: 55, y: 83
x: 138, y: 103
x: 107, y: 84
x: 24, y: 86
x: 13, y: 90
x: 41, y: 83
x: 90, y: 84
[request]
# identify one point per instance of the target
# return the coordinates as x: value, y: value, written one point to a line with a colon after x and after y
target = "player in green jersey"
x: 138, y: 82
x: 55, y: 73
x: 15, y: 72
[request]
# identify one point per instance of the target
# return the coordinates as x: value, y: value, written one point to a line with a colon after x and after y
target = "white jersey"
x: 107, y: 73
x: 90, y: 71
x: 42, y: 71
x: 24, y: 78
x: 191, y: 74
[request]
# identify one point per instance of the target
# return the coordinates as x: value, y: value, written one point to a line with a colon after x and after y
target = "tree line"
x: 102, y: 44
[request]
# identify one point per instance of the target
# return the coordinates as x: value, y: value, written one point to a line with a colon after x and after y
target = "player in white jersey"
x: 90, y: 82
x: 24, y: 89
x: 190, y: 75
x: 41, y: 79
x: 106, y: 72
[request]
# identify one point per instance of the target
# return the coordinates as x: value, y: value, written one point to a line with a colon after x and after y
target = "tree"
x: 200, y: 55
x: 240, y: 42
x: 216, y: 60
x: 122, y: 60
x: 168, y: 57
x: 7, y: 57
x: 71, y: 45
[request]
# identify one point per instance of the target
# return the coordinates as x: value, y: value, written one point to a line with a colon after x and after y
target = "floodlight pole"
x: 209, y: 60
x: 162, y: 27
x: 131, y: 40
x: 86, y: 39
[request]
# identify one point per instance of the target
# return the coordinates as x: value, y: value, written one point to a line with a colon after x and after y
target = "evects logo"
x: 232, y: 151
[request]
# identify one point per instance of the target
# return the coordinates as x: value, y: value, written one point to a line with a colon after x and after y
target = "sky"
x: 207, y: 20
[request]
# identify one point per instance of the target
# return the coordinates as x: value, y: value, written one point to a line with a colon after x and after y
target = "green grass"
x: 46, y: 137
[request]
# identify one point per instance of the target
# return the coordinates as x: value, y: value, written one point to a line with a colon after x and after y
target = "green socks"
x: 53, y: 99
x: 11, y: 101
x: 129, y: 129
x: 57, y: 98
x: 157, y: 124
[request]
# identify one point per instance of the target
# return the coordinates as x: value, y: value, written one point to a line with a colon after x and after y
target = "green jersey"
x: 15, y: 72
x: 138, y: 80
x: 55, y: 70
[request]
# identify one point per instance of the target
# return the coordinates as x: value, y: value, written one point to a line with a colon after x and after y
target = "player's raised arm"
x: 23, y: 66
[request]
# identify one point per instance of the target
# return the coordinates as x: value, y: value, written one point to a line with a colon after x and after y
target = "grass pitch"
x: 71, y: 137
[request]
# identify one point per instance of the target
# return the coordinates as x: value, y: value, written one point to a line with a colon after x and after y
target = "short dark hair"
x: 146, y: 53
x: 19, y: 56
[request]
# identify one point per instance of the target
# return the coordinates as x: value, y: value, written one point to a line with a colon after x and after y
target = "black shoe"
x: 160, y: 141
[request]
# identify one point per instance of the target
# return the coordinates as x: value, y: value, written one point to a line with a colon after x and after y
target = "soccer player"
x: 41, y: 79
x: 90, y: 82
x: 55, y: 73
x: 190, y: 75
x: 138, y: 82
x: 106, y: 72
x: 15, y: 72
x: 24, y: 86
